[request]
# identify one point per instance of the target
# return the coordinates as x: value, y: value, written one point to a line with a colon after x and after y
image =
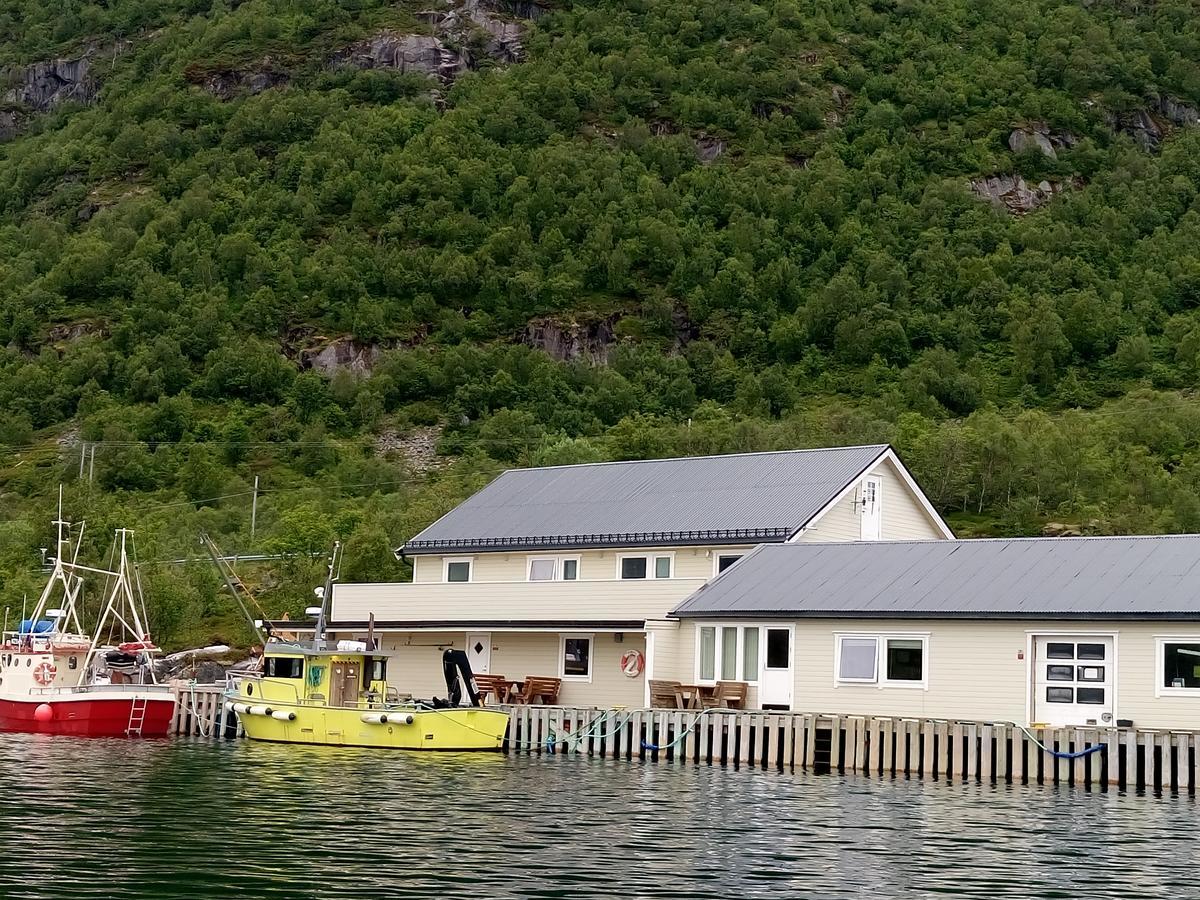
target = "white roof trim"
x: 888, y: 455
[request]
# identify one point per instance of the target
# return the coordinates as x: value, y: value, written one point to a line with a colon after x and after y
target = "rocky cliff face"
x: 1013, y: 193
x: 1150, y: 125
x: 43, y: 85
x: 571, y: 340
x: 228, y: 83
x: 466, y: 33
x: 341, y: 354
x: 1039, y: 135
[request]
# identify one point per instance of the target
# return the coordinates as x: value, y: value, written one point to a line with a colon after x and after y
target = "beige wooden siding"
x: 415, y: 664
x: 567, y: 601
x: 978, y: 670
x: 903, y: 518
x: 594, y: 565
x: 840, y: 522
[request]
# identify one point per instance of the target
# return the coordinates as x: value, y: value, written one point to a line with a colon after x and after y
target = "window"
x: 1060, y: 651
x: 750, y: 654
x: 458, y: 570
x: 708, y: 654
x: 1089, y: 695
x: 728, y: 653
x: 884, y: 659
x: 1179, y: 665
x: 656, y: 565
x: 1089, y: 651
x: 779, y: 648
x: 1060, y: 695
x: 905, y: 658
x: 376, y: 669
x: 725, y: 560
x: 284, y: 667
x: 577, y: 657
x: 857, y: 658
x: 73, y: 662
x: 633, y: 567
x: 553, y: 568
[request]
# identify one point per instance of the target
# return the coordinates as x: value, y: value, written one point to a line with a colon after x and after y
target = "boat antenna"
x: 332, y: 574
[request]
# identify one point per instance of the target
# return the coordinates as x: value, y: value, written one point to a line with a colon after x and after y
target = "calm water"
x: 197, y: 819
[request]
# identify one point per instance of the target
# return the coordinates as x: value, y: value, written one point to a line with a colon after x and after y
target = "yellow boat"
x: 310, y: 693
x: 306, y: 695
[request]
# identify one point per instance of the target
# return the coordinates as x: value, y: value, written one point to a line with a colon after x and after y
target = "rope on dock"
x: 1059, y: 754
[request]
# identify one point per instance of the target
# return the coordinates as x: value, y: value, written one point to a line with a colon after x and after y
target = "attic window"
x: 458, y: 570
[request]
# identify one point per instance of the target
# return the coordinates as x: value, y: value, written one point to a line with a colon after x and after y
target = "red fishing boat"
x: 56, y: 679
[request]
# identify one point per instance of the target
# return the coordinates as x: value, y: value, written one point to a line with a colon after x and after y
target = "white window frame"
x: 881, y: 680
x: 650, y: 557
x: 1160, y: 661
x: 558, y: 566
x: 447, y: 560
x: 739, y: 663
x: 562, y: 656
x: 740, y: 554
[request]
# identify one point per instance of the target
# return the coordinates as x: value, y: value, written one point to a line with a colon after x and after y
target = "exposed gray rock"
x: 1178, y: 112
x: 11, y: 122
x: 1040, y: 135
x: 567, y: 341
x: 522, y: 9
x: 43, y: 85
x: 226, y: 84
x: 708, y: 148
x: 341, y: 354
x: 472, y: 28
x: 1013, y: 193
x: 420, y: 53
x: 1145, y: 130
x: 70, y: 332
x: 1022, y: 139
x: 418, y: 447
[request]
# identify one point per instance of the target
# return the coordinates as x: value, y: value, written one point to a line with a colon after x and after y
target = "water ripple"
x: 165, y: 819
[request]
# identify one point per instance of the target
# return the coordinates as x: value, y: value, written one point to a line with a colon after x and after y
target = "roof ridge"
x: 628, y: 462
x: 1027, y: 538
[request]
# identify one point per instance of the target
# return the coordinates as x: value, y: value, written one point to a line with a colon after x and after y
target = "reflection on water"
x: 197, y: 819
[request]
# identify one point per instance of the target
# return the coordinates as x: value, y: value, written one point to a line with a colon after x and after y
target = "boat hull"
x: 88, y: 715
x: 443, y: 729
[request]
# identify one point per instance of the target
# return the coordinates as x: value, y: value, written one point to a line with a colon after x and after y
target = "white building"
x: 572, y: 571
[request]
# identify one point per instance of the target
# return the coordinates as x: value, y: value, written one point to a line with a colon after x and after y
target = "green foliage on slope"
x: 766, y: 205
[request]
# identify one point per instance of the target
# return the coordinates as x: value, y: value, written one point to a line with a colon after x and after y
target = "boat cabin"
x: 294, y: 673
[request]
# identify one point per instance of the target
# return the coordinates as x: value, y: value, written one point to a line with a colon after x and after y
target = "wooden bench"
x: 538, y: 689
x: 728, y: 695
x: 666, y: 695
x: 496, y: 685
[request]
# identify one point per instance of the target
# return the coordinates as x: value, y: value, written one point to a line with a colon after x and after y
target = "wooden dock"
x: 200, y: 710
x: 1128, y: 759
x: 1124, y: 758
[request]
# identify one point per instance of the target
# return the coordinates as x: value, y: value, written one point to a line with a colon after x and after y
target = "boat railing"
x: 60, y: 690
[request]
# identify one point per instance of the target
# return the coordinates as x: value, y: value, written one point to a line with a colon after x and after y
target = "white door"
x: 777, y: 679
x: 1073, y: 679
x: 871, y: 501
x: 479, y: 652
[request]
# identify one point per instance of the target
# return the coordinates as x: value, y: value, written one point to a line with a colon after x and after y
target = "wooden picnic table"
x: 694, y: 694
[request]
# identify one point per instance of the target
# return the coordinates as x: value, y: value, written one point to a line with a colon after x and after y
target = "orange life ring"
x: 632, y: 663
x: 44, y: 674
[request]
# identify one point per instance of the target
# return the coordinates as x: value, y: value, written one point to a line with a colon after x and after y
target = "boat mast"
x: 332, y: 574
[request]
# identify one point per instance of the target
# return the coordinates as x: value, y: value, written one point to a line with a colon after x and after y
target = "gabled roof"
x: 1100, y: 577
x: 738, y: 498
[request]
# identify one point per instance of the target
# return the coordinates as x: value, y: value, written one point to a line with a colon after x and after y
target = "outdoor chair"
x: 728, y: 695
x: 666, y: 695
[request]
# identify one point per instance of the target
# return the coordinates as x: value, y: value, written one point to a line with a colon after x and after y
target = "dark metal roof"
x: 738, y: 498
x: 1100, y: 577
x: 485, y: 624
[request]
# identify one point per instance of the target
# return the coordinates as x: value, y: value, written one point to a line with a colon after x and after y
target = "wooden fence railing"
x: 926, y: 748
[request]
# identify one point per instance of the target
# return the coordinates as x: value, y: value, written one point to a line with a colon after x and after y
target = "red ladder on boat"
x: 137, y: 716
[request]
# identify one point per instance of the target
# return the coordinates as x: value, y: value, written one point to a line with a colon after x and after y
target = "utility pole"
x: 92, y: 464
x: 82, y: 456
x: 254, y: 509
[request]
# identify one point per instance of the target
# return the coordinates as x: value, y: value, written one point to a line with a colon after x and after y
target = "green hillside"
x: 373, y: 252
